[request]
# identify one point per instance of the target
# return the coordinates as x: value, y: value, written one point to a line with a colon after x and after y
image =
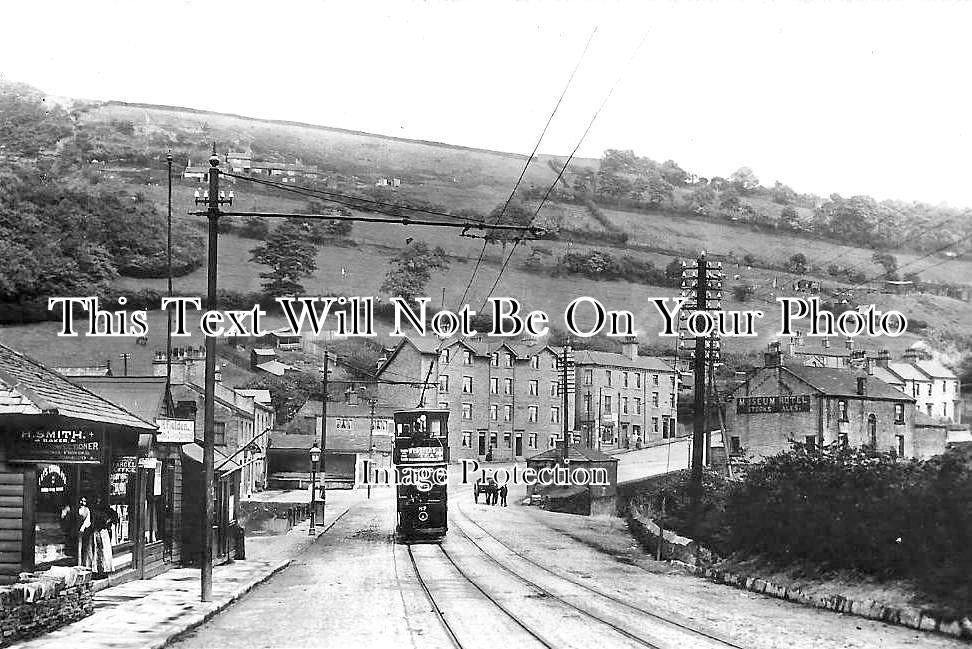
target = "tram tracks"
x: 681, y: 626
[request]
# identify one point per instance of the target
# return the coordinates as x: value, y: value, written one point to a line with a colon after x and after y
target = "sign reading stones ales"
x: 782, y: 403
x: 57, y: 447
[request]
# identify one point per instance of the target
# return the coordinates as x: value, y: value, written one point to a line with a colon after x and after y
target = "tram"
x: 421, y: 463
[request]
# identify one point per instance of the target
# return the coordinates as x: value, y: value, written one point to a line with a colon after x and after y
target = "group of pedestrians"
x: 494, y: 493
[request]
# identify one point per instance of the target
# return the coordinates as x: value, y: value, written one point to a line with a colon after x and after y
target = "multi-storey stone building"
x: 503, y: 397
x: 780, y: 404
x: 624, y: 400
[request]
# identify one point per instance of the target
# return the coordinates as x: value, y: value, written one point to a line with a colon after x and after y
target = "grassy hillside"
x: 455, y: 178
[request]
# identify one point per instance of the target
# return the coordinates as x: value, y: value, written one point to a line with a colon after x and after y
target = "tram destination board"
x: 770, y: 404
x: 420, y: 454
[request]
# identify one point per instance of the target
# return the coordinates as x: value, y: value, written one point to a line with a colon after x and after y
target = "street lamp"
x: 315, y: 456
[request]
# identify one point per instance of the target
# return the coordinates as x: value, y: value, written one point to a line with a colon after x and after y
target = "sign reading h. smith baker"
x: 781, y: 403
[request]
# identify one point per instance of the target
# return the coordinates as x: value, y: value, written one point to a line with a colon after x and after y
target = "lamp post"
x: 315, y: 457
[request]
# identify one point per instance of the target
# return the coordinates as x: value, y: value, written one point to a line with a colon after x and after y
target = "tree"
x: 782, y: 194
x: 744, y: 180
x: 290, y: 258
x: 514, y: 214
x: 789, y: 218
x: 672, y: 173
x: 797, y: 264
x: 412, y: 269
x: 673, y: 271
x: 887, y: 261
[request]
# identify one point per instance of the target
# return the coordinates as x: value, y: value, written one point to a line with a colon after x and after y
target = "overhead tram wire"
x: 563, y: 169
x: 543, y: 132
x: 499, y: 218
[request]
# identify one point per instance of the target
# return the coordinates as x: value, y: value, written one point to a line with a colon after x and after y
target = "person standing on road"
x: 502, y: 494
x: 476, y: 492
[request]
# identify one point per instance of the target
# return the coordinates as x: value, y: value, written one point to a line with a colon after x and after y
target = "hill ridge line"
x: 335, y: 129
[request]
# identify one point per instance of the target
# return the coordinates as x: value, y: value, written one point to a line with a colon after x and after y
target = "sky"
x: 848, y: 97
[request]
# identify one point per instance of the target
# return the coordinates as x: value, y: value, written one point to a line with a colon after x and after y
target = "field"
x: 460, y: 178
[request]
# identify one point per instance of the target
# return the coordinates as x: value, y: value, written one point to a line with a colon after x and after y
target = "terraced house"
x: 503, y: 397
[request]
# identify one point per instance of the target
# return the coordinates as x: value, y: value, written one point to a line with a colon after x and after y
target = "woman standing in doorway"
x: 85, y: 535
x: 103, y: 520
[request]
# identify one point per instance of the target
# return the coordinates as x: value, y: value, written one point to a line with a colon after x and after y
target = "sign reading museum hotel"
x: 781, y: 403
x: 57, y: 447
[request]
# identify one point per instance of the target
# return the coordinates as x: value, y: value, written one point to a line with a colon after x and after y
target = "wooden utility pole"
x: 371, y: 438
x: 565, y: 365
x: 698, y: 420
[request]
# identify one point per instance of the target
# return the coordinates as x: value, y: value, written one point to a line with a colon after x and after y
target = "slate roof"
x: 588, y: 357
x: 259, y: 396
x: 29, y: 388
x: 843, y: 382
x: 141, y: 395
x: 907, y: 371
x: 887, y: 376
x: 574, y: 454
x: 935, y: 369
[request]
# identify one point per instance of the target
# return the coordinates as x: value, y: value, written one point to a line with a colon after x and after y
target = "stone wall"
x: 43, y: 601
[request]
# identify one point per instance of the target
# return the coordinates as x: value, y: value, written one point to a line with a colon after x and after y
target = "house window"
x: 467, y: 411
x: 671, y: 399
x: 509, y: 360
x: 553, y: 388
x: 444, y: 383
x: 637, y: 406
x: 899, y: 413
x: 654, y: 379
x: 494, y: 386
x: 466, y: 357
x: 624, y: 378
x: 532, y: 440
x: 607, y: 404
x: 494, y: 359
x: 552, y: 441
x: 654, y: 424
x: 507, y: 413
x: 637, y: 379
x: 506, y: 440
x: 607, y: 375
x: 624, y: 405
x: 588, y: 377
x: 842, y: 440
x: 492, y: 440
x: 734, y: 447
x: 928, y: 407
x: 900, y: 445
x: 929, y: 389
x: 872, y: 431
x: 535, y: 362
x: 810, y: 441
x: 587, y: 403
x: 493, y: 411
x: 533, y: 414
x: 554, y: 415
x: 466, y: 439
x: 467, y: 385
x: 507, y: 386
x: 654, y: 399
x: 534, y: 388
x: 842, y: 410
x: 220, y: 430
x: 444, y: 356
x: 636, y: 431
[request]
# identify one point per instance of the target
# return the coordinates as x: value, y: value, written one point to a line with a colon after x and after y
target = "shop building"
x: 61, y: 443
x: 781, y: 404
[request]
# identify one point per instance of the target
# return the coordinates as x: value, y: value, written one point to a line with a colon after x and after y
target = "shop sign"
x: 175, y: 431
x: 57, y: 447
x: 124, y: 464
x: 782, y: 403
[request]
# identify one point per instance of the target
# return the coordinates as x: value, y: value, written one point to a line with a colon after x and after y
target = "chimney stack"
x: 883, y: 358
x: 862, y: 386
x: 849, y: 343
x: 629, y: 347
x: 773, y: 356
x: 825, y: 342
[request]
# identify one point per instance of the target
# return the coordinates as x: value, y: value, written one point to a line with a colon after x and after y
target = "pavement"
x: 654, y: 460
x: 150, y: 613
